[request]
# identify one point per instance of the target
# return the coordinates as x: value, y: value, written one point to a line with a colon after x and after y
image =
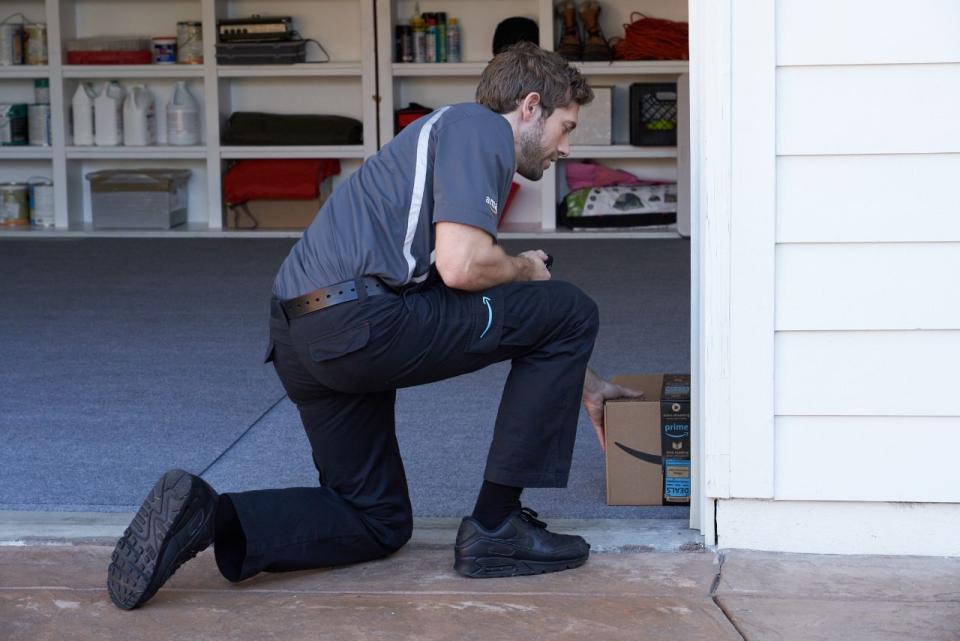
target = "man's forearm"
x: 490, y: 268
x: 592, y: 384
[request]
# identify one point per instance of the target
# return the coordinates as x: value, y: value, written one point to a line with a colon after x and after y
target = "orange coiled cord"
x: 651, y: 39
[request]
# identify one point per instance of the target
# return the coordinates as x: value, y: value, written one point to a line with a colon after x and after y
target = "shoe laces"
x: 530, y: 516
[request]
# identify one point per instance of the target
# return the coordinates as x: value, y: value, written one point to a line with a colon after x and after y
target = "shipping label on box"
x: 648, y: 442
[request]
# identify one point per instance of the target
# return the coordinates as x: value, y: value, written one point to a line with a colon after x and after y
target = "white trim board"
x: 822, y: 527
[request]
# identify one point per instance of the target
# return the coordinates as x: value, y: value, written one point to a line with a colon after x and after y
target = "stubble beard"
x: 530, y: 161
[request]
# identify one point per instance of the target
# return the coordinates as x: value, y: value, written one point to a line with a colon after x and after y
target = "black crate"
x: 261, y: 53
x: 653, y: 114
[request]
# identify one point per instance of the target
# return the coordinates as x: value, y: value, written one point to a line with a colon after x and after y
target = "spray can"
x: 431, y: 40
x: 13, y: 125
x: 38, y: 122
x: 441, y: 36
x: 41, y: 91
x: 419, y: 28
x: 454, y: 53
x: 404, y: 42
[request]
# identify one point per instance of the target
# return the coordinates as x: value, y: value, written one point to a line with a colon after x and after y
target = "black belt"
x: 333, y: 295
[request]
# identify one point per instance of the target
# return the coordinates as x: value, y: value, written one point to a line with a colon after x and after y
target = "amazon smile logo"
x: 643, y: 456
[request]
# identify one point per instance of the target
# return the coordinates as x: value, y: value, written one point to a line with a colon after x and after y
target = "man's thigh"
x: 434, y: 333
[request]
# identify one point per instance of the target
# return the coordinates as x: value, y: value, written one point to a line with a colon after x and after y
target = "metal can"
x: 38, y: 120
x: 13, y: 125
x: 404, y: 37
x: 14, y: 205
x: 11, y: 44
x: 164, y: 51
x: 190, y: 43
x: 35, y: 43
x: 41, y: 91
x: 40, y: 194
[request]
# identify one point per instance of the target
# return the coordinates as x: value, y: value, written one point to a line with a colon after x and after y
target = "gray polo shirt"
x: 455, y: 164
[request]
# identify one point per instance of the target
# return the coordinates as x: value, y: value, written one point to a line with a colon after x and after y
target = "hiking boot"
x: 521, y: 545
x: 174, y: 523
x: 570, y: 46
x: 596, y: 47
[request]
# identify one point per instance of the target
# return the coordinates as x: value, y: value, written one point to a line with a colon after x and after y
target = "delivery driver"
x: 399, y: 282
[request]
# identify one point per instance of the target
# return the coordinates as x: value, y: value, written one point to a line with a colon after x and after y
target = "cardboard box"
x: 594, y: 126
x: 277, y: 214
x: 648, y: 442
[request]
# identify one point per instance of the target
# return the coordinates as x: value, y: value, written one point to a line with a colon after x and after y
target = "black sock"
x: 495, y: 503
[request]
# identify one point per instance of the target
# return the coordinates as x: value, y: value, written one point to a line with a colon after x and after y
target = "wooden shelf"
x: 133, y: 71
x: 433, y: 70
x: 634, y: 67
x: 307, y: 69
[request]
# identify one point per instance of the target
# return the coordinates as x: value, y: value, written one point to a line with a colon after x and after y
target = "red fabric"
x: 588, y: 174
x: 514, y: 188
x: 280, y: 179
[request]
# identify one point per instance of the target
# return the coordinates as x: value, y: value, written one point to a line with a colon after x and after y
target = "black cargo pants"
x: 341, y: 366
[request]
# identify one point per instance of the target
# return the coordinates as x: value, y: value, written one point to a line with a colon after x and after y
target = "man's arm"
x: 468, y: 259
x: 595, y: 392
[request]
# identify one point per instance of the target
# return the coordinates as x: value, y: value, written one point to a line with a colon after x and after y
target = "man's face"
x: 544, y: 140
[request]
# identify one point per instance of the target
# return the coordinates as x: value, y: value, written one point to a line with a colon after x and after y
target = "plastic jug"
x: 139, y: 117
x: 183, y: 117
x: 82, y: 106
x: 108, y: 115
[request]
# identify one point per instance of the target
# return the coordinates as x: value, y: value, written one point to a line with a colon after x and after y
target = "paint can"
x: 35, y: 43
x: 190, y: 42
x: 11, y: 44
x: 38, y: 119
x: 40, y: 195
x: 13, y: 125
x: 164, y: 51
x: 14, y: 205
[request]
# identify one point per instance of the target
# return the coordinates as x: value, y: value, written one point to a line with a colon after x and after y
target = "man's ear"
x: 530, y: 106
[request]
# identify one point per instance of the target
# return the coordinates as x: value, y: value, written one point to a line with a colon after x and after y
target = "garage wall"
x: 866, y: 296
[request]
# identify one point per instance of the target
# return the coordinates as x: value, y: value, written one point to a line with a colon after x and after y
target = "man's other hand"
x: 595, y: 392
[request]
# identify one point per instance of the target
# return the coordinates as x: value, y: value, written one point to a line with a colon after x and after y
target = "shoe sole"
x: 491, y: 567
x: 138, y: 566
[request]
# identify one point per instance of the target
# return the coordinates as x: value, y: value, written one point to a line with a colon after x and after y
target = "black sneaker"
x: 174, y: 523
x: 521, y: 545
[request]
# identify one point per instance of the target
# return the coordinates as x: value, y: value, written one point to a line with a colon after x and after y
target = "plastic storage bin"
x: 138, y: 198
x: 653, y: 114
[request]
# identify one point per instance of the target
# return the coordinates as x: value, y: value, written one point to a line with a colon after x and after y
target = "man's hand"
x: 538, y: 268
x: 595, y: 392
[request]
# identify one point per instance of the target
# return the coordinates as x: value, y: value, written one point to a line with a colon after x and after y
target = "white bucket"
x: 183, y: 117
x: 139, y: 117
x: 82, y: 105
x: 108, y: 115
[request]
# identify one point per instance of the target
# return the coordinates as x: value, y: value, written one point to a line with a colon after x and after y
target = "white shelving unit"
x: 533, y: 212
x: 361, y: 81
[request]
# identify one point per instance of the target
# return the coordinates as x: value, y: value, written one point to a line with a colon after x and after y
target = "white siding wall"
x: 867, y: 276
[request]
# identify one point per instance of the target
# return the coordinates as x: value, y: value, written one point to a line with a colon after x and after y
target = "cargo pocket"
x: 486, y: 316
x: 339, y: 343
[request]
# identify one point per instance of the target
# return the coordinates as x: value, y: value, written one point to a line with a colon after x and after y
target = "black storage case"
x: 653, y: 103
x: 262, y: 53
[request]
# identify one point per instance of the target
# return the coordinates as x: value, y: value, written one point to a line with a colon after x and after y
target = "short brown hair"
x: 523, y: 68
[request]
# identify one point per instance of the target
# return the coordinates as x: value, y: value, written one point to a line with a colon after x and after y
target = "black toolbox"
x: 262, y: 53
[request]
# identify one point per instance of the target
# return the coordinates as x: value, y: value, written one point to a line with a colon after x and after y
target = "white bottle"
x: 108, y: 115
x: 183, y: 117
x: 139, y: 117
x: 82, y: 106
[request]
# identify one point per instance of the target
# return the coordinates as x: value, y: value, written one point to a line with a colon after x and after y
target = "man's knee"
x: 394, y: 532
x: 576, y: 307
